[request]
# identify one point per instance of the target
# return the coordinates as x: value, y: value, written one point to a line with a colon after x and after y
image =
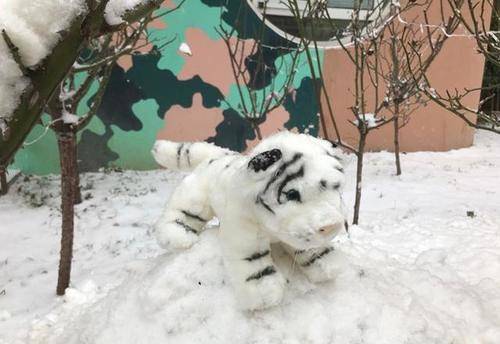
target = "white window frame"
x: 279, y: 8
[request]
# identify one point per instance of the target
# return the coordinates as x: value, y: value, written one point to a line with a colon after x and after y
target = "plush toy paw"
x: 324, y: 267
x: 261, y: 293
x: 173, y: 237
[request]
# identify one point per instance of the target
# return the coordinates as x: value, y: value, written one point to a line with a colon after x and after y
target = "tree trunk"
x: 78, y: 193
x: 396, y: 93
x: 4, y: 186
x: 396, y: 141
x: 257, y: 131
x: 359, y: 177
x: 67, y: 154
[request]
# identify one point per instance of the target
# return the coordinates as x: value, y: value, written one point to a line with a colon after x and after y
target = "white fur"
x: 254, y: 209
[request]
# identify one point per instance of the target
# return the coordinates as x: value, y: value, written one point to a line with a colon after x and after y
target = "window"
x: 323, y: 27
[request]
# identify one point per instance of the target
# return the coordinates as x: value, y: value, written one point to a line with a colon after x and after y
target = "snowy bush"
x: 34, y: 27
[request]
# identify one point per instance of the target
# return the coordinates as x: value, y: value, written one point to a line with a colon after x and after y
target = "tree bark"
x: 67, y: 144
x: 396, y: 93
x: 396, y: 140
x: 78, y: 192
x: 258, y: 132
x: 4, y: 186
x: 359, y: 176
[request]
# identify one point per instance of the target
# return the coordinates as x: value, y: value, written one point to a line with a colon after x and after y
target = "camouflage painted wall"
x: 164, y: 93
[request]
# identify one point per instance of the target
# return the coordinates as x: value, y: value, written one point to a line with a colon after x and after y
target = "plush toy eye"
x: 293, y: 195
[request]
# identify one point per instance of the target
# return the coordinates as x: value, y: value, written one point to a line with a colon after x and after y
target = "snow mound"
x: 185, y: 298
x: 34, y: 27
x: 423, y: 266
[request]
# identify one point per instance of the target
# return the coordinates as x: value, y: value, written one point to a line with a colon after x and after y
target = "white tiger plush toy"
x: 287, y: 190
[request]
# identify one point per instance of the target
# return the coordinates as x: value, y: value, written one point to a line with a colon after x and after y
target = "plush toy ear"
x: 262, y: 161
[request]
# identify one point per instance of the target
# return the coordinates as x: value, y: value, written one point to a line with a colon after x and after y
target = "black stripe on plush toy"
x: 262, y: 161
x: 322, y: 185
x: 317, y: 256
x: 260, y: 201
x: 187, y: 227
x: 282, y: 169
x: 269, y: 270
x: 193, y: 216
x: 289, y: 178
x: 188, y: 159
x: 334, y: 156
x: 179, y: 149
x: 257, y: 255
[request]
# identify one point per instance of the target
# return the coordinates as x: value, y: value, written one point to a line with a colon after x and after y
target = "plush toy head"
x: 297, y: 184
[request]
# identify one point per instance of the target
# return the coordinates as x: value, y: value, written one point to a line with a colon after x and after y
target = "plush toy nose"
x: 328, y: 230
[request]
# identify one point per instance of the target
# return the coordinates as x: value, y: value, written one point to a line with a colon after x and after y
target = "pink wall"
x: 430, y: 127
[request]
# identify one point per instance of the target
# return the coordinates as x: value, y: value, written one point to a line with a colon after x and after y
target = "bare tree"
x: 4, y: 187
x: 473, y: 18
x: 257, y: 101
x: 374, y: 43
x: 63, y: 108
x: 403, y: 94
x: 48, y: 75
x: 67, y: 121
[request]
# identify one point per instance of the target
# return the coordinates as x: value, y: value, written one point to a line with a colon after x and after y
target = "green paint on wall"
x: 303, y: 112
x: 155, y: 78
x: 41, y: 155
x: 134, y: 147
x: 166, y: 88
x: 283, y: 65
x: 192, y: 14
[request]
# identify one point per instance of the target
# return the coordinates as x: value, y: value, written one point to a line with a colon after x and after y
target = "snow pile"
x: 4, y: 315
x: 34, y: 27
x: 370, y: 120
x: 115, y: 10
x: 422, y: 267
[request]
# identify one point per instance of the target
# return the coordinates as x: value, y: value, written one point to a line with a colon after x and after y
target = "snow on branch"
x: 29, y: 32
x: 14, y: 52
x: 49, y: 36
x: 116, y: 10
x: 369, y: 119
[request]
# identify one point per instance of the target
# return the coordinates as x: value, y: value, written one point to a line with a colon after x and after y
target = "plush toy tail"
x: 185, y: 156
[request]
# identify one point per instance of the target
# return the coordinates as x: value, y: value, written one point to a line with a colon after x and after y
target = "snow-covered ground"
x: 418, y: 269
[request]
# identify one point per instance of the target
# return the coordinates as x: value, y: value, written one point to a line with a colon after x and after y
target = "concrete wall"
x: 168, y: 94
